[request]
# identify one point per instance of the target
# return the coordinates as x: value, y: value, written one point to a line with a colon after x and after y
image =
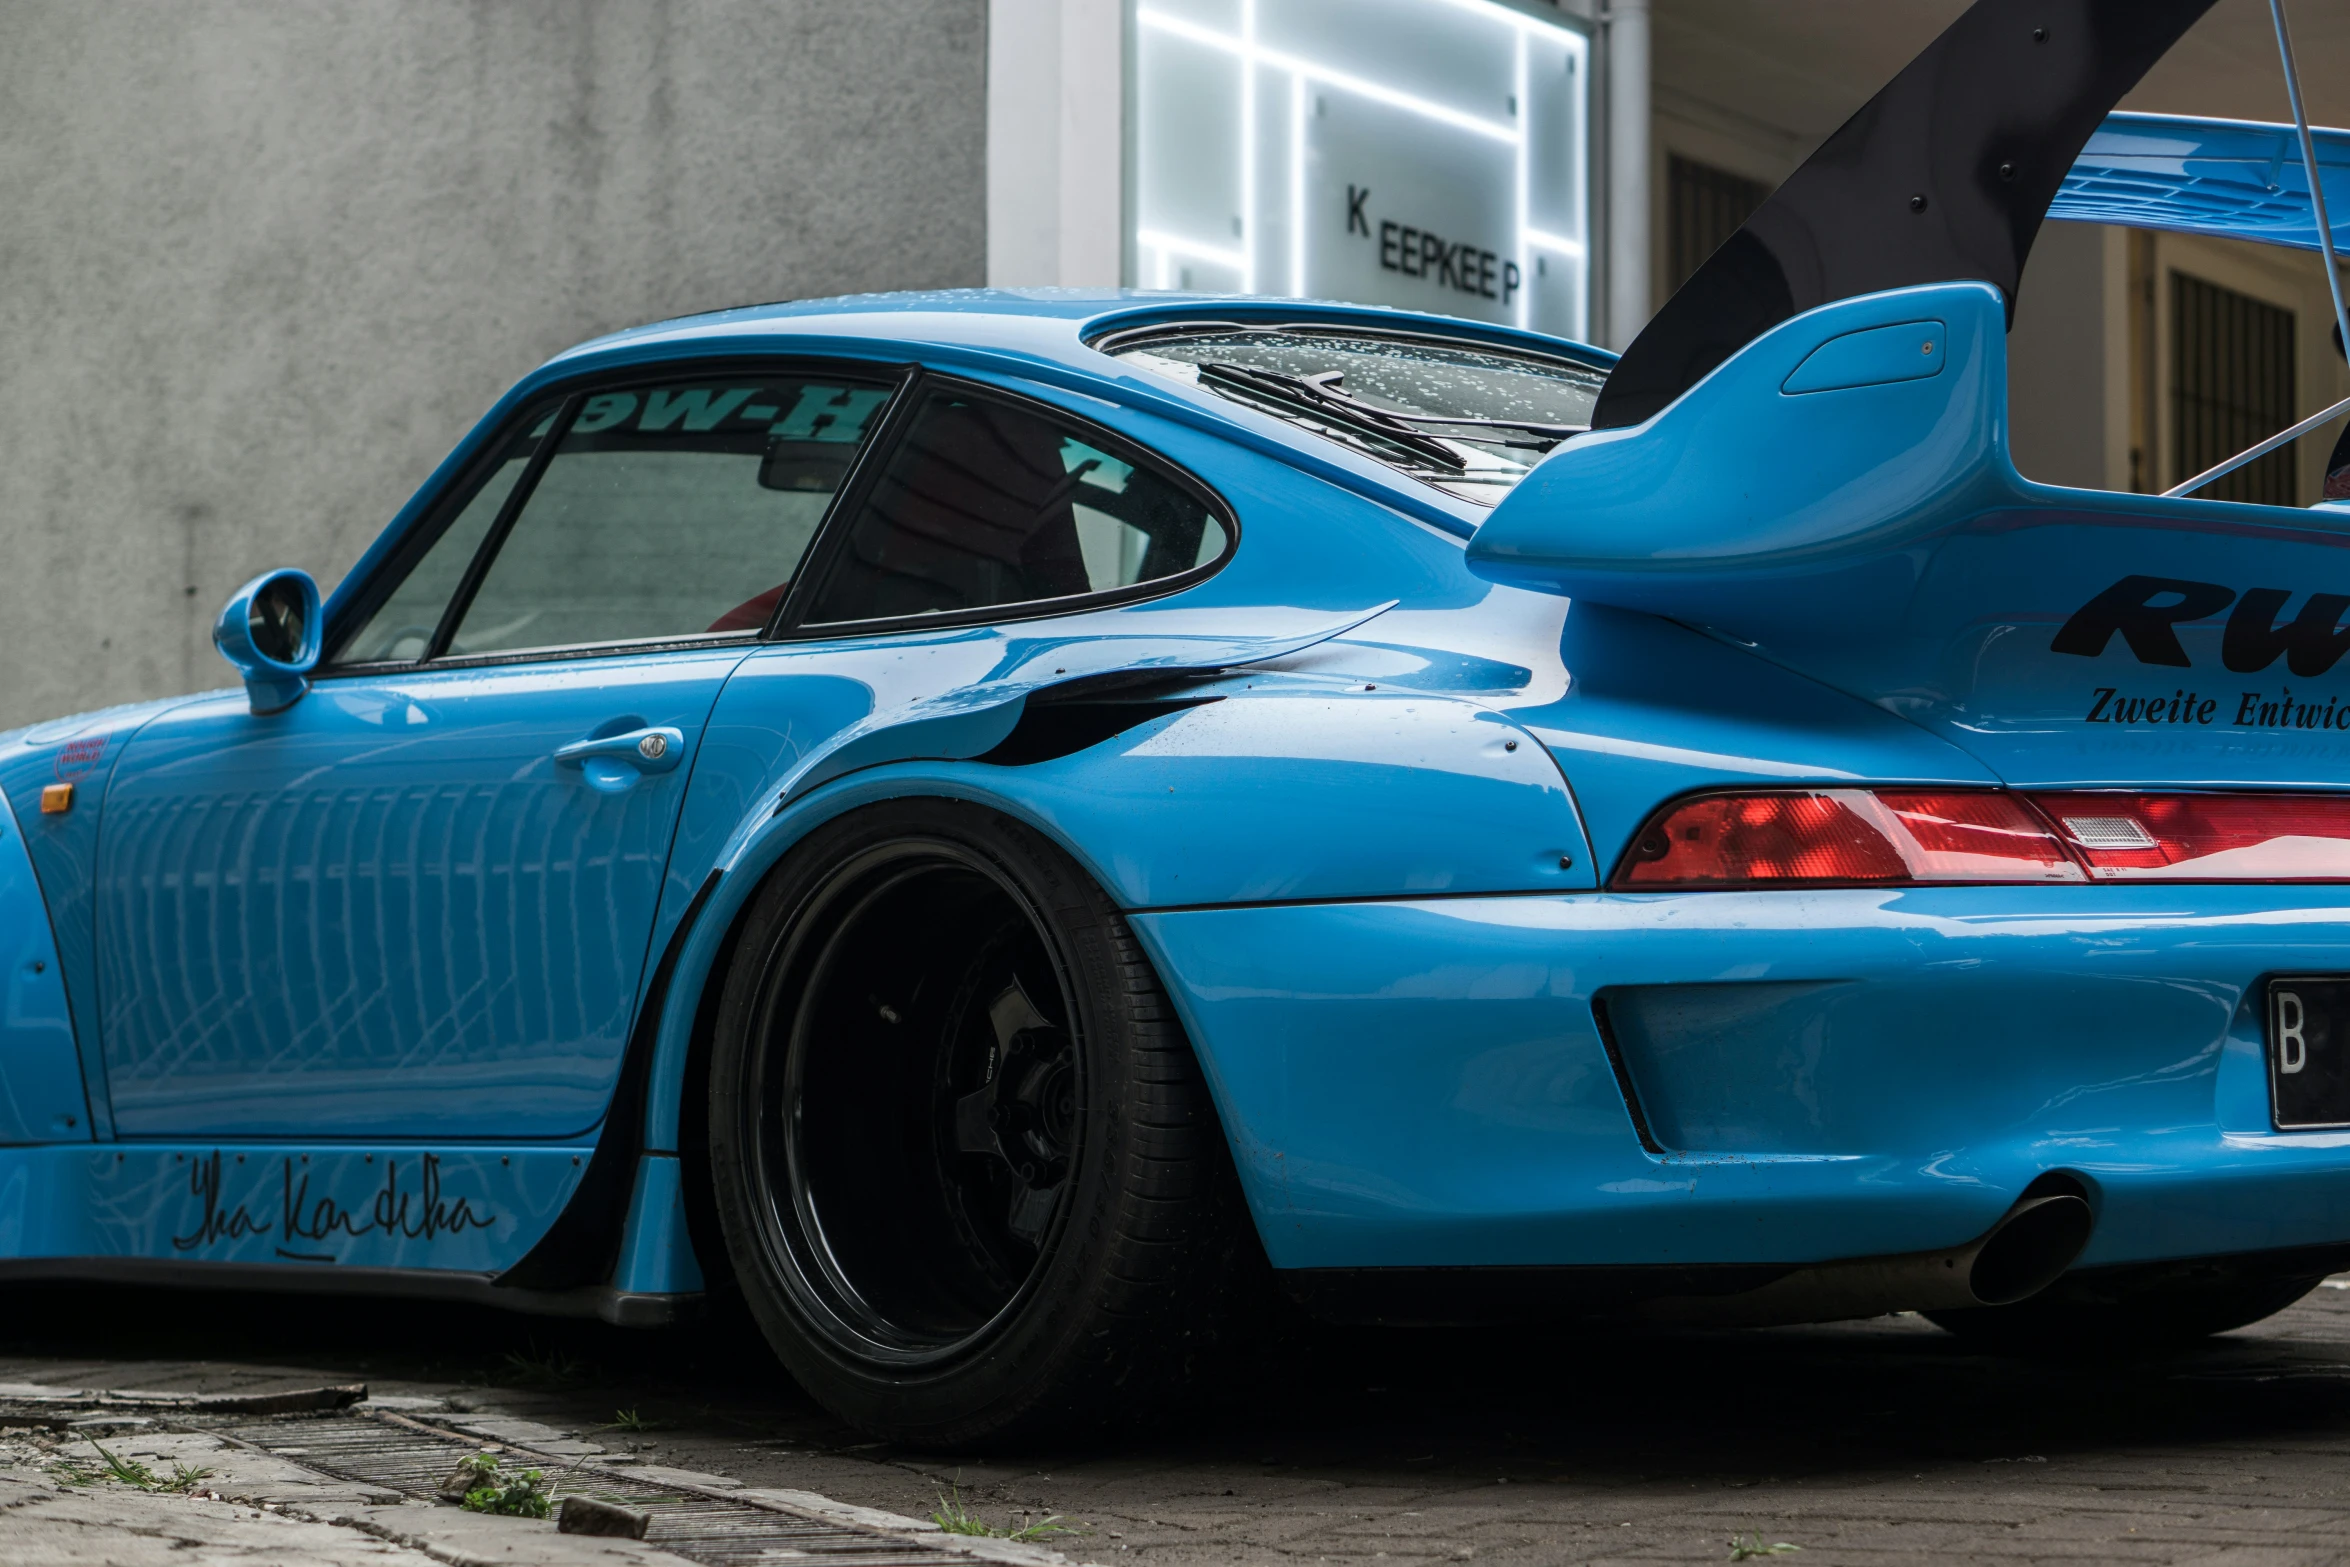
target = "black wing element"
x: 1943, y: 176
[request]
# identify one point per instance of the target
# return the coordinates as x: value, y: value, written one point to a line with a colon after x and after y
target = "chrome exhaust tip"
x: 2028, y: 1249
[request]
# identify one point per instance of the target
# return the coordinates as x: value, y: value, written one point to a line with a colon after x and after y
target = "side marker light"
x: 56, y: 799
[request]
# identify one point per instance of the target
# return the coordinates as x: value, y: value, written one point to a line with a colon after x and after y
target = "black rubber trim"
x: 1624, y: 1085
x: 545, y: 655
x: 582, y: 1246
x: 1487, y: 1297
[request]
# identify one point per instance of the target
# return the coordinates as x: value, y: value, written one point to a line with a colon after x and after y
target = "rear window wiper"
x: 1328, y: 382
x: 1325, y: 402
x: 1551, y: 434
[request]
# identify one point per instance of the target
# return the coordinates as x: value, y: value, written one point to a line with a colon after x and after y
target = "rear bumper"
x: 1823, y: 1075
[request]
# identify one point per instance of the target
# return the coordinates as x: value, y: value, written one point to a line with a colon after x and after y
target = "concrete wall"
x: 262, y: 262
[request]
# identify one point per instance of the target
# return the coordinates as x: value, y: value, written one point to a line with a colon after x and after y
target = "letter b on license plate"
x: 2308, y: 1067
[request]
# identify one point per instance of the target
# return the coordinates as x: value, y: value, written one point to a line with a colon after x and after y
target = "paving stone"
x: 1883, y: 1442
x: 44, y: 1526
x: 463, y: 1539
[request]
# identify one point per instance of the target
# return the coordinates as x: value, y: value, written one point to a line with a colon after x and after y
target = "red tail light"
x: 1845, y: 837
x: 2205, y: 837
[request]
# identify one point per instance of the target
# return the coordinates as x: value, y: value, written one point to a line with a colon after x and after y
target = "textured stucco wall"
x: 263, y: 261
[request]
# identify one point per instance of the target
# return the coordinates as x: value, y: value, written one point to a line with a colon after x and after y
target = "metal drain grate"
x: 406, y: 1455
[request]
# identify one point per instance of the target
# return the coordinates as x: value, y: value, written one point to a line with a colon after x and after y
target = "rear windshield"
x: 1466, y: 418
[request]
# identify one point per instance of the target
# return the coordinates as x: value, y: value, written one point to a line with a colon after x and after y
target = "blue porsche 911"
x: 976, y: 820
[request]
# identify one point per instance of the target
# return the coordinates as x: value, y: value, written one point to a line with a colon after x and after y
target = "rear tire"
x: 964, y: 1161
x: 2131, y: 1311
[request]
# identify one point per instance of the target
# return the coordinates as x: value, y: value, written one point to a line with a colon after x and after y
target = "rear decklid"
x: 1839, y: 496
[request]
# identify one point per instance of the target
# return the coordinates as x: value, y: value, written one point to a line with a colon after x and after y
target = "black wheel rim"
x: 915, y: 1103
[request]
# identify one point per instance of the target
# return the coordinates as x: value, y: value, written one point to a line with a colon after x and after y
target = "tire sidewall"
x: 1023, y: 1359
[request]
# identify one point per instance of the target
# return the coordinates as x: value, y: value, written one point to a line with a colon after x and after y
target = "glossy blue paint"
x: 1655, y: 710
x: 1873, y: 356
x: 386, y: 911
x: 301, y: 1206
x: 1423, y: 1083
x: 271, y: 681
x: 41, y: 1094
x: 64, y: 849
x: 656, y: 1256
x: 1218, y: 821
x: 1441, y: 794
x: 2232, y: 179
x: 1881, y: 541
x: 414, y: 913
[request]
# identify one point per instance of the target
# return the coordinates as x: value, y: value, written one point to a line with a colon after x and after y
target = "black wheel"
x: 2133, y: 1311
x: 962, y: 1156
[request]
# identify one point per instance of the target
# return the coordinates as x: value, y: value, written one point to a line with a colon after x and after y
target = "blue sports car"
x: 980, y: 820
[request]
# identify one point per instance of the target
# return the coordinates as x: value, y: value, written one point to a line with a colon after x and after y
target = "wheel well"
x: 693, y: 1110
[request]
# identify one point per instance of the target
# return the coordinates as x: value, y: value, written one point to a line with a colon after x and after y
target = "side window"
x: 402, y: 626
x: 671, y: 511
x: 985, y: 503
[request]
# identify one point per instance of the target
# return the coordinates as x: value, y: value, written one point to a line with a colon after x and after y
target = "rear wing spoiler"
x: 1839, y: 497
x: 1947, y: 173
x: 2230, y: 179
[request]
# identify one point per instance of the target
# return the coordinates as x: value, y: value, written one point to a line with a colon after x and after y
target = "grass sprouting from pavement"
x: 184, y: 1478
x: 954, y: 1517
x: 632, y: 1420
x: 510, y: 1493
x: 130, y: 1472
x: 1745, y: 1545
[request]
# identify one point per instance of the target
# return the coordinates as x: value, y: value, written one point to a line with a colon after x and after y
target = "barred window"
x: 2232, y: 386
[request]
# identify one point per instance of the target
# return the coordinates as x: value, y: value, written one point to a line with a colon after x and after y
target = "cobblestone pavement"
x: 1868, y: 1443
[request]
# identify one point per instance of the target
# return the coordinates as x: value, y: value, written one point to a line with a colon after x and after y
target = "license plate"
x: 2309, y: 1050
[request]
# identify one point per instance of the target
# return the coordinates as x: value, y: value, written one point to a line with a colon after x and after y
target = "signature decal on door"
x: 422, y: 1212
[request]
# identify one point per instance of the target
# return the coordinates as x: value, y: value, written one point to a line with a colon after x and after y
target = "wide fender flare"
x: 42, y: 1094
x: 1282, y: 789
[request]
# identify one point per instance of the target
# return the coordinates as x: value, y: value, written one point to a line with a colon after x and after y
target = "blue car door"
x: 417, y: 902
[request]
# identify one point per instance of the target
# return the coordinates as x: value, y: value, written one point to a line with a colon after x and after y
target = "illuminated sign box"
x: 1432, y: 154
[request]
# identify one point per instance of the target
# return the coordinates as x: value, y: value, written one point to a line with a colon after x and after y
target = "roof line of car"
x: 1093, y: 375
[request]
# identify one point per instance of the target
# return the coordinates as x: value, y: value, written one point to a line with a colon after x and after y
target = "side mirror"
x: 270, y: 629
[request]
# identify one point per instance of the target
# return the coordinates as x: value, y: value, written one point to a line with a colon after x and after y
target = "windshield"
x: 1469, y: 419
